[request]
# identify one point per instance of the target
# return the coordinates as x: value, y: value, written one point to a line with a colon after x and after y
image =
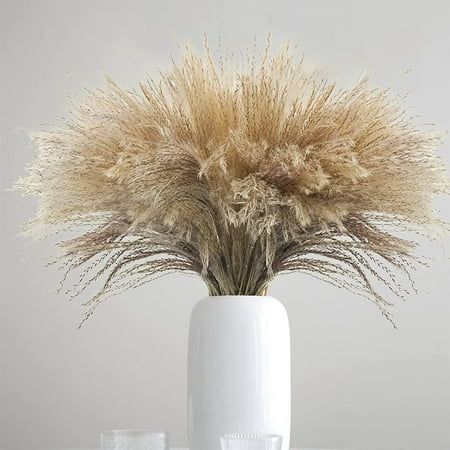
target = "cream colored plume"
x: 238, y: 175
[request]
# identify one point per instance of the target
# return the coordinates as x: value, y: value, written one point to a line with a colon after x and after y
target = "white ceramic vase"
x: 239, y: 375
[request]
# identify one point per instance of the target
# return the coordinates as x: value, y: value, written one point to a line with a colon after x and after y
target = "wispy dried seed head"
x: 238, y: 175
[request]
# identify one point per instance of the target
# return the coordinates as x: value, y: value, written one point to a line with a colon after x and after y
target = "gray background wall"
x: 357, y: 383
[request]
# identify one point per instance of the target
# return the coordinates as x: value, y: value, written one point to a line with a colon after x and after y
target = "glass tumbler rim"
x: 252, y: 435
x: 134, y: 431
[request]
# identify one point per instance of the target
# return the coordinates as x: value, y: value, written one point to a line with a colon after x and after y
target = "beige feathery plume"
x: 238, y: 176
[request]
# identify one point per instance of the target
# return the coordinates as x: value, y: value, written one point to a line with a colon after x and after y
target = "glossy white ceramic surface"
x: 239, y: 375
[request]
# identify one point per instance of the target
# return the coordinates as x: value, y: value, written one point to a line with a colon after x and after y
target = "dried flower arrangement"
x: 238, y: 175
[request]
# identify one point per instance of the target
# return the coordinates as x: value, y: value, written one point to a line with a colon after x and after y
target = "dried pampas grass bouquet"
x: 238, y: 173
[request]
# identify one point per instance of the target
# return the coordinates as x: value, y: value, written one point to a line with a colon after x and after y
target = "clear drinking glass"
x: 134, y: 440
x: 251, y: 441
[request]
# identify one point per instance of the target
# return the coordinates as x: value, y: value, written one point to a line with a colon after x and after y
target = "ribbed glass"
x: 251, y: 441
x: 134, y: 440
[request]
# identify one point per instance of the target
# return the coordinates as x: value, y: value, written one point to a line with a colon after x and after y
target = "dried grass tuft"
x: 238, y: 175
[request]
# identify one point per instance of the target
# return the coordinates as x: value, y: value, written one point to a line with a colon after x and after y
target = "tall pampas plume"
x: 238, y: 174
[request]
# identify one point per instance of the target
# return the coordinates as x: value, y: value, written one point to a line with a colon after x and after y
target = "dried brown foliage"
x: 238, y: 176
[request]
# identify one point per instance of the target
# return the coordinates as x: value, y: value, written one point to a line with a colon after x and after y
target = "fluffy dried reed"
x: 238, y: 175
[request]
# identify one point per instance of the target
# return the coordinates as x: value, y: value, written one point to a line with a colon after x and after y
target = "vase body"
x: 239, y: 375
